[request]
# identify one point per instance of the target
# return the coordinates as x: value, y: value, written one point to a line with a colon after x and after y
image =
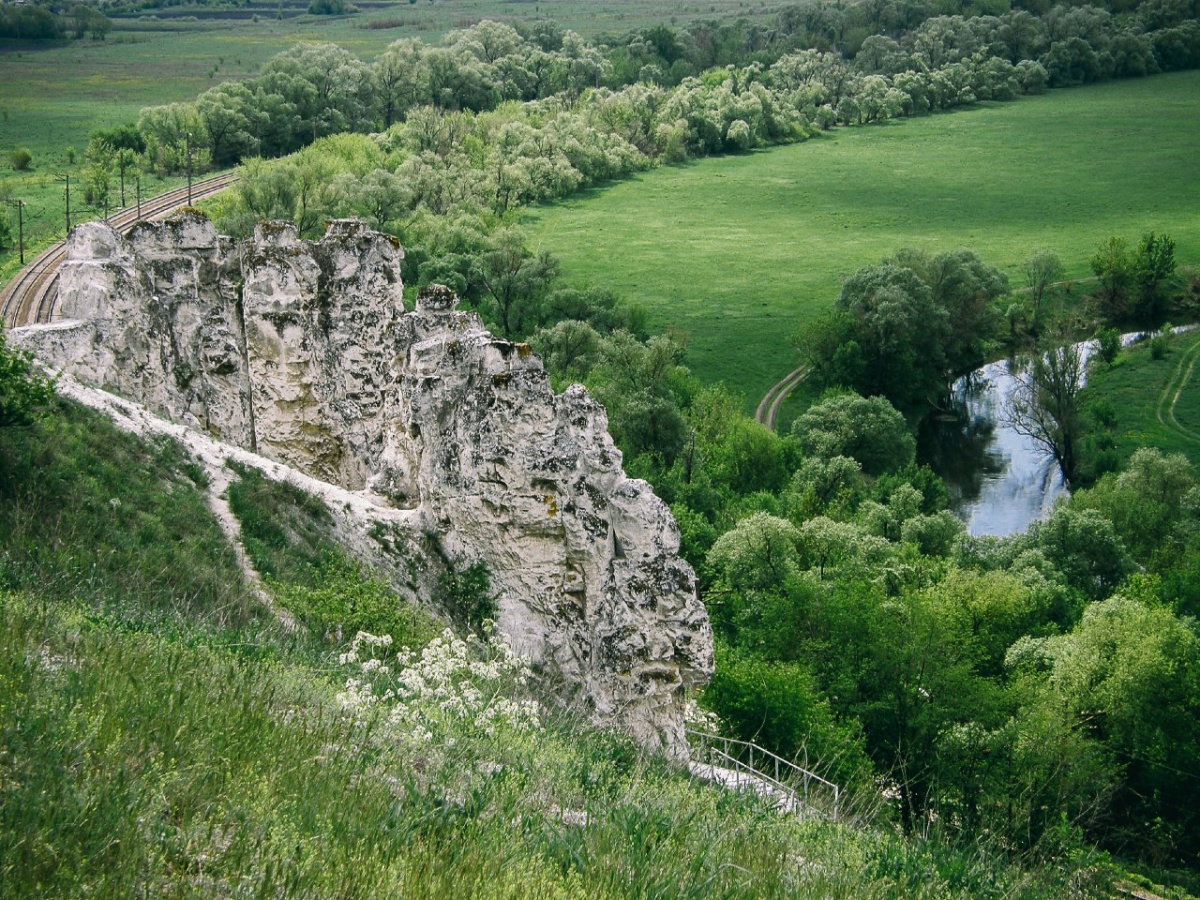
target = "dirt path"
x: 768, y: 407
x: 1165, y: 411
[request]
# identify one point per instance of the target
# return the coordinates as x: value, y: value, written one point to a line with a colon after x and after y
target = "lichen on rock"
x: 304, y: 353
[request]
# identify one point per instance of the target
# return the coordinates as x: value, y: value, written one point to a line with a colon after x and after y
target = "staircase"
x: 741, y: 765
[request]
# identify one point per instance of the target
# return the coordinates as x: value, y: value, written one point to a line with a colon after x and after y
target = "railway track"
x: 31, y: 298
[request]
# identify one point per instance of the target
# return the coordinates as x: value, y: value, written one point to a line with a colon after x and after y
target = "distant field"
x: 52, y: 97
x: 56, y: 95
x: 735, y: 252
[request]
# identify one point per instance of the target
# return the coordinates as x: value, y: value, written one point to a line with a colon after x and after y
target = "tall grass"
x: 89, y: 512
x: 136, y: 765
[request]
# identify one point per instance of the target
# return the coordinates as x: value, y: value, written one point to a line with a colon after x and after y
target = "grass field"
x: 53, y: 97
x: 1156, y: 402
x: 735, y: 252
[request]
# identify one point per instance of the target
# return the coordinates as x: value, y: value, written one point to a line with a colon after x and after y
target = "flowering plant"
x: 452, y: 682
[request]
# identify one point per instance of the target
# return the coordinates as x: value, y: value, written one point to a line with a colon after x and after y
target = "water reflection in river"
x: 999, y: 481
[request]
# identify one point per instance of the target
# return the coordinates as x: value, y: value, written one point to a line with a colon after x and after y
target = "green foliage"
x: 513, y: 280
x: 869, y: 430
x: 92, y: 514
x: 779, y: 706
x: 1153, y: 263
x: 1130, y: 673
x: 899, y: 328
x: 1042, y: 269
x: 1114, y: 269
x: 1085, y: 547
x: 20, y: 159
x: 760, y: 551
x: 285, y: 530
x: 466, y: 595
x: 120, y: 137
x: 330, y: 7
x: 1108, y: 345
x: 24, y: 391
x: 1150, y: 504
x: 341, y: 600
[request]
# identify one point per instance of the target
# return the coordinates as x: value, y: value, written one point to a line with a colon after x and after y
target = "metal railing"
x: 793, y: 782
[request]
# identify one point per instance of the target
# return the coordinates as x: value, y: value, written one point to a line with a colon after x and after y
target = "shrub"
x: 466, y: 595
x: 1108, y: 345
x: 20, y: 159
x: 343, y: 600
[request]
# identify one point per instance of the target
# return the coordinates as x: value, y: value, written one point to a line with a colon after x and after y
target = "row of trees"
x: 790, y: 68
x: 52, y: 21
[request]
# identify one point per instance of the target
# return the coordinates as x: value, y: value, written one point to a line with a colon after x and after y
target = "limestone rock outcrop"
x: 303, y: 352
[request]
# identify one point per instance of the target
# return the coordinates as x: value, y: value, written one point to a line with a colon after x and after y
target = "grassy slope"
x: 1140, y: 390
x: 159, y: 736
x: 737, y: 251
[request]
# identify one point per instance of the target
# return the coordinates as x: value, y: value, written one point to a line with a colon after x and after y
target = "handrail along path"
x: 783, y: 779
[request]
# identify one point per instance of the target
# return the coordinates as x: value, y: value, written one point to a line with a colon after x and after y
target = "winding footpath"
x: 1165, y: 411
x: 31, y: 298
x: 768, y: 407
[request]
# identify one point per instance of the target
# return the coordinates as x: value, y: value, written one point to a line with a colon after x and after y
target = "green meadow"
x: 54, y: 96
x: 735, y: 252
x: 1154, y: 402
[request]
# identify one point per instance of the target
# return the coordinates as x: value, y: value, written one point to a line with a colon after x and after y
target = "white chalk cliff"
x: 302, y: 352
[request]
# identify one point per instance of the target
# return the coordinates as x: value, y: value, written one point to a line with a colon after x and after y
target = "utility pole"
x: 189, y: 166
x: 138, y: 182
x: 20, y: 205
x: 67, y: 179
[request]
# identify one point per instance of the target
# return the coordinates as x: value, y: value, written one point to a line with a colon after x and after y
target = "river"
x: 999, y: 481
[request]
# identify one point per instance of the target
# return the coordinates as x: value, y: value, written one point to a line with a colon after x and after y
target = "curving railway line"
x: 31, y: 298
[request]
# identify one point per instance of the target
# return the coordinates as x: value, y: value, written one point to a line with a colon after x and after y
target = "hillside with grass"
x: 203, y: 692
x: 164, y: 732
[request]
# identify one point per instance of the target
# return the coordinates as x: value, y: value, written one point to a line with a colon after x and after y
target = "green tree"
x: 760, y: 552
x: 1045, y: 406
x: 1148, y: 503
x: 1108, y: 345
x: 868, y: 429
x: 1084, y: 546
x: 514, y: 280
x: 1129, y: 677
x: 1042, y: 268
x: 886, y: 337
x: 1114, y: 267
x: 779, y: 706
x: 569, y: 348
x: 1153, y: 263
x: 230, y: 120
x: 966, y: 288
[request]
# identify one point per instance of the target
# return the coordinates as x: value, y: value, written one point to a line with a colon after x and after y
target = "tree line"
x: 52, y: 21
x: 807, y: 63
